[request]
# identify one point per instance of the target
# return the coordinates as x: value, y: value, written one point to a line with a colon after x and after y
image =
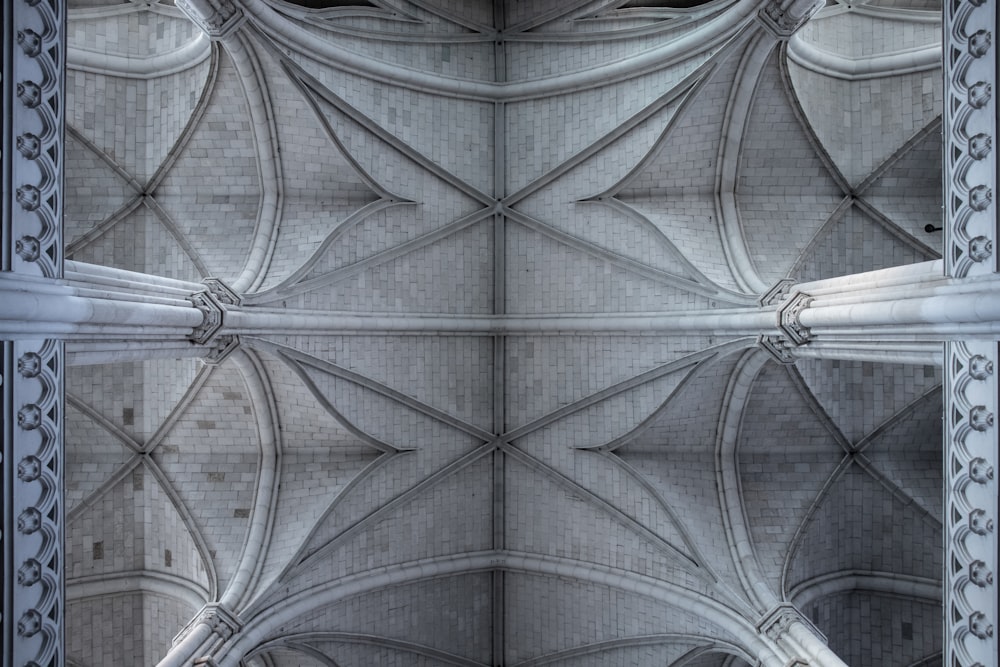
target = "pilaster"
x: 32, y: 459
x: 970, y: 462
x: 970, y: 118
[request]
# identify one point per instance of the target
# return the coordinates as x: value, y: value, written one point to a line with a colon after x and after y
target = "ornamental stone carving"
x: 783, y: 17
x: 217, y: 18
x: 969, y: 127
x: 778, y: 347
x: 789, y: 320
x: 971, y: 503
x: 32, y: 533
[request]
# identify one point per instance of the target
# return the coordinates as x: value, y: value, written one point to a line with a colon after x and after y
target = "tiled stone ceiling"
x: 420, y: 499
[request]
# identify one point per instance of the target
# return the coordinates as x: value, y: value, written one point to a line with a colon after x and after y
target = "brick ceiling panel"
x: 392, y: 479
x: 610, y: 421
x: 139, y: 242
x: 211, y: 457
x: 830, y: 254
x: 92, y: 456
x: 691, y: 224
x: 543, y: 133
x: 689, y: 421
x: 859, y: 141
x: 902, y: 631
x: 170, y: 547
x: 908, y: 452
x: 109, y: 536
x: 545, y: 275
x: 908, y: 192
x: 550, y: 614
x: 456, y: 510
x: 574, y: 525
x: 584, y: 365
x: 416, y: 281
x: 861, y: 396
x: 453, y: 374
x: 450, y: 614
x: 834, y: 539
x: 216, y: 209
x: 686, y: 161
x: 94, y: 191
x: 403, y: 115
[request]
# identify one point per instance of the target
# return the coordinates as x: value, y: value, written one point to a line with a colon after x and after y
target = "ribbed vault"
x: 559, y: 499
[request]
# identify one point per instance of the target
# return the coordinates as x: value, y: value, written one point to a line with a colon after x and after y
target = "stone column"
x: 109, y: 315
x: 798, y: 638
x: 898, y: 315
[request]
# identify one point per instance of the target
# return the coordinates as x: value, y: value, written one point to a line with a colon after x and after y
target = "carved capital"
x: 778, y: 347
x: 777, y: 293
x: 222, y: 292
x: 789, y: 318
x: 217, y: 18
x: 222, y: 347
x: 212, y: 311
x: 783, y: 17
x: 223, y: 623
x: 213, y: 302
x: 776, y: 623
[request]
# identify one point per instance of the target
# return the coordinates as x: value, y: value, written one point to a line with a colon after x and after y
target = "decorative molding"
x: 970, y: 164
x: 221, y: 348
x: 970, y: 460
x: 777, y: 293
x: 213, y: 303
x: 222, y: 292
x: 221, y: 19
x: 32, y: 537
x: 778, y: 347
x: 212, y: 320
x: 776, y: 623
x: 33, y: 116
x: 31, y: 461
x: 222, y: 622
x: 783, y: 17
x: 789, y: 318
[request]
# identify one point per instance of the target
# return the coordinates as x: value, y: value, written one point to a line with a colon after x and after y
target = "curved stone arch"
x: 737, y: 116
x: 262, y: 402
x: 728, y: 479
x: 301, y: 642
x: 796, y: 543
x: 258, y: 627
x: 888, y: 583
x: 109, y: 66
x: 265, y: 138
x: 712, y: 33
x: 728, y: 655
x: 644, y: 640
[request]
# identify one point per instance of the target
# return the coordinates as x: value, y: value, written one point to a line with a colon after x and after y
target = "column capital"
x: 778, y: 621
x: 221, y: 621
x: 783, y: 17
x: 217, y: 18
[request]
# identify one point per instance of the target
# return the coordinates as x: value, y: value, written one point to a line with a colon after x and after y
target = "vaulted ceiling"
x: 567, y: 498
